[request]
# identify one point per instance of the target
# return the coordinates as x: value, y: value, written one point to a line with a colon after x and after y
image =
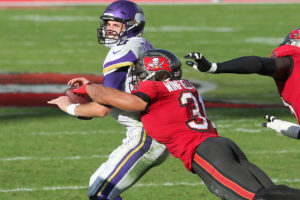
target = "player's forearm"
x: 115, y: 98
x: 247, y: 65
x: 92, y: 109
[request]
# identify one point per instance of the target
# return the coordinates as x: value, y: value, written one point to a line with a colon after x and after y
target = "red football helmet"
x: 293, y: 38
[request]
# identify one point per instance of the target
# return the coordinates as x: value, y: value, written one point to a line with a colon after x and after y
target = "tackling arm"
x: 248, y: 65
x: 274, y: 67
x: 115, y: 98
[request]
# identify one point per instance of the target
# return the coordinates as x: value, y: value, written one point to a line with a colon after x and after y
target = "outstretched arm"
x: 275, y: 67
x: 115, y: 98
x: 91, y: 109
x: 285, y: 128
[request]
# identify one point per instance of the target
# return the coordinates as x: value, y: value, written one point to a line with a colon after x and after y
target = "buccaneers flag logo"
x: 157, y: 63
x: 295, y: 34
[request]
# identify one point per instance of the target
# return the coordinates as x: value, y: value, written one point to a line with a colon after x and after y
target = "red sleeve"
x: 285, y: 50
x: 146, y: 90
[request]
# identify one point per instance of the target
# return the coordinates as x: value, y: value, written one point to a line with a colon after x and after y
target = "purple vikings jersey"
x: 117, y: 71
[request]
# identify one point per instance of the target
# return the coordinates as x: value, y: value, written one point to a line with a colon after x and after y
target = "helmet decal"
x: 293, y: 38
x: 295, y: 34
x: 157, y: 63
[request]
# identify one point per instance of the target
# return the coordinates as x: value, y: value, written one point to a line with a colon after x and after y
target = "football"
x: 78, y: 98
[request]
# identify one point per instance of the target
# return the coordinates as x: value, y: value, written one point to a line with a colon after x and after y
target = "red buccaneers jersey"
x: 289, y: 89
x: 175, y: 116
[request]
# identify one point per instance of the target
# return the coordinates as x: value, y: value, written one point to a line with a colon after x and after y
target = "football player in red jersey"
x: 171, y: 104
x: 283, y: 65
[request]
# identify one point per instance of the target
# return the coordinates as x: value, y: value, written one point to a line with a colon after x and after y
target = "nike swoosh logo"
x: 115, y: 52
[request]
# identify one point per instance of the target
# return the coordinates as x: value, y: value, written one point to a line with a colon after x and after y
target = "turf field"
x: 46, y: 154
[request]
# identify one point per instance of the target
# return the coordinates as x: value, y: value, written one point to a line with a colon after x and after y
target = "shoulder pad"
x: 123, y: 54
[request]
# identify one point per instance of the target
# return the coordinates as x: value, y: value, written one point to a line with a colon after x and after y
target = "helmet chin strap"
x: 109, y: 42
x: 133, y: 26
x: 150, y: 76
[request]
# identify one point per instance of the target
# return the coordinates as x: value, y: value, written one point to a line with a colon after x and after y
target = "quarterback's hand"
x: 78, y: 82
x: 200, y: 62
x: 62, y: 102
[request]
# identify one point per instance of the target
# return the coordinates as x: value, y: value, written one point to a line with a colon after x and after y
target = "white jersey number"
x: 197, y: 121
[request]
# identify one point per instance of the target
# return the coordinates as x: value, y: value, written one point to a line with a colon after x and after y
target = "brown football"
x: 78, y: 98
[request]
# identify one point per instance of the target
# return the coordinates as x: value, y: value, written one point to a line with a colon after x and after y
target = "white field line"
x: 167, y: 184
x: 189, y: 29
x: 44, y: 18
x: 247, y: 130
x: 264, y: 40
x: 8, y: 3
x: 202, y: 87
x: 70, y: 133
x: 45, y: 88
x: 274, y: 152
x: 77, y: 157
x: 52, y: 158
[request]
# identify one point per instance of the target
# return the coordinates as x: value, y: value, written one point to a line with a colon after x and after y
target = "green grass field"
x: 46, y: 154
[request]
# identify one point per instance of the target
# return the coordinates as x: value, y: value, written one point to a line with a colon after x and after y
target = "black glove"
x: 201, y: 63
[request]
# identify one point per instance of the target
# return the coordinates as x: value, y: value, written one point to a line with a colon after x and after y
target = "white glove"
x: 283, y: 127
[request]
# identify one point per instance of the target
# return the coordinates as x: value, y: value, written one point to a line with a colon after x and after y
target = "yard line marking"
x: 77, y: 157
x: 68, y: 133
x: 247, y: 130
x: 167, y: 184
x: 77, y: 132
x: 45, y: 88
x: 188, y: 29
x: 44, y: 18
x: 24, y: 158
x: 43, y: 189
x: 66, y: 18
x: 274, y: 152
x: 264, y: 40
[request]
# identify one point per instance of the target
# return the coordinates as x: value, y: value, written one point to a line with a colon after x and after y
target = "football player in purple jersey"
x: 121, y: 28
x: 283, y: 66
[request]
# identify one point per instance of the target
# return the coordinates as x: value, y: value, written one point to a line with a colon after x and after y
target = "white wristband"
x: 71, y: 109
x: 213, y: 68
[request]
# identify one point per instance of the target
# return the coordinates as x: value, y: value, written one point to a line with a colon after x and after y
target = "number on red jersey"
x: 198, y: 121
